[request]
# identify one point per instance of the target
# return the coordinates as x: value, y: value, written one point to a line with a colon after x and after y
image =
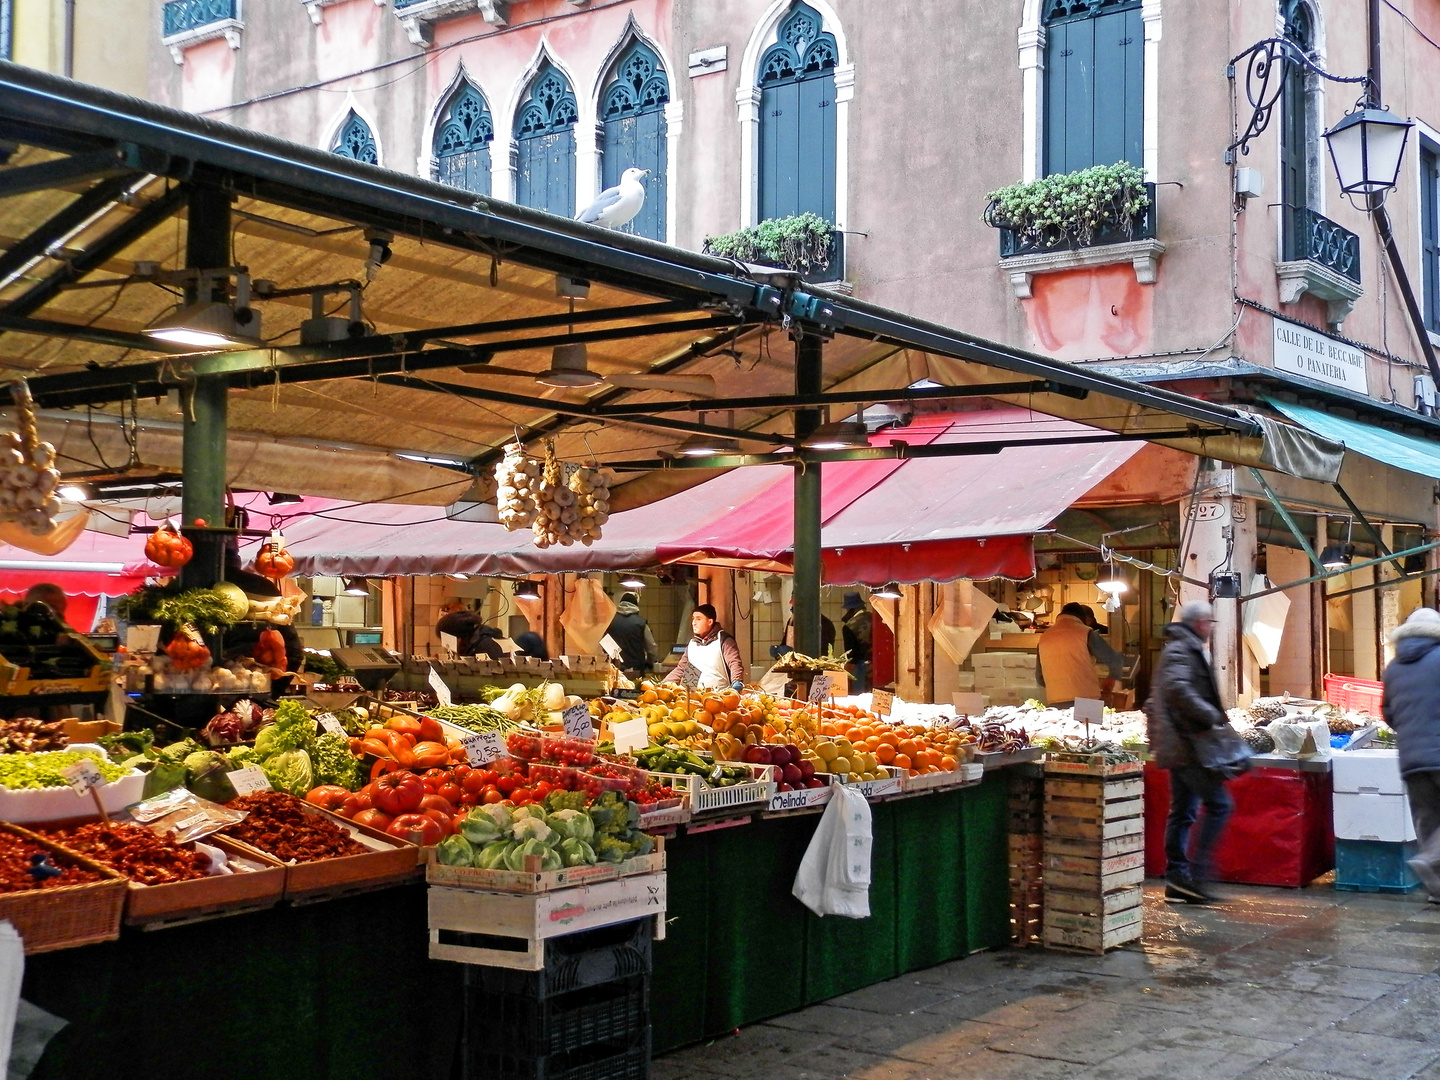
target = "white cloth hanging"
x: 834, y: 875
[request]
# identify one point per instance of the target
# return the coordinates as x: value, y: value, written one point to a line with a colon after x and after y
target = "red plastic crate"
x: 1362, y: 695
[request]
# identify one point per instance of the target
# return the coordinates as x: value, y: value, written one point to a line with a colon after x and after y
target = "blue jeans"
x: 1190, y: 788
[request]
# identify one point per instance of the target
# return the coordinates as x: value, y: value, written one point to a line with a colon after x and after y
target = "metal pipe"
x: 68, y: 62
x: 1352, y: 567
x: 1412, y: 307
x: 809, y: 358
x: 841, y: 397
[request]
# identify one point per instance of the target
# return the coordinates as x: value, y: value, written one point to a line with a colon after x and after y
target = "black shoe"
x: 1187, y: 892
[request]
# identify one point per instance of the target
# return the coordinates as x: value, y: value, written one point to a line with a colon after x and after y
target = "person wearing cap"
x: 712, y: 659
x: 1068, y: 652
x: 1410, y: 704
x: 855, y: 636
x: 1184, y: 701
x: 787, y: 639
x: 629, y: 630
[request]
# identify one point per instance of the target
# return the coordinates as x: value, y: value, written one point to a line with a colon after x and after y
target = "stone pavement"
x: 1270, y: 984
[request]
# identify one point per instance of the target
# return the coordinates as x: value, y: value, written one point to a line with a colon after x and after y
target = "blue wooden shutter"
x: 462, y: 142
x: 545, y: 129
x: 1094, y: 85
x: 633, y: 113
x: 355, y: 140
x: 798, y: 124
x: 1430, y: 234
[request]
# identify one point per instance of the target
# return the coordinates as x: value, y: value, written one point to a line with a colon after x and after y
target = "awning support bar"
x: 1288, y: 520
x: 1327, y: 575
x: 1370, y: 530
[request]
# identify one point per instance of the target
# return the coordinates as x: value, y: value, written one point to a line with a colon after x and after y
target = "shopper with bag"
x: 1190, y: 736
x: 1411, y: 705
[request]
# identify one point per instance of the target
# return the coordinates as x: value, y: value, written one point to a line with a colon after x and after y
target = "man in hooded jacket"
x: 629, y: 630
x: 1184, y: 700
x: 1411, y: 705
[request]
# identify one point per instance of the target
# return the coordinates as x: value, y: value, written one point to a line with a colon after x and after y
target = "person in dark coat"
x: 473, y: 636
x: 628, y: 629
x: 1184, y: 700
x: 1411, y: 705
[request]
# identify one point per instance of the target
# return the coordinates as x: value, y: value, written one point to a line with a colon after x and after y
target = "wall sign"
x: 1303, y: 351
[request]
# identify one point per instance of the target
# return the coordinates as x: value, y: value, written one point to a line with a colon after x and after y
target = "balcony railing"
x: 835, y: 269
x: 1318, y: 239
x: 184, y: 16
x: 1142, y: 227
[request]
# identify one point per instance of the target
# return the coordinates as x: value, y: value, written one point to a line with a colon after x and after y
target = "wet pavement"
x: 1270, y: 984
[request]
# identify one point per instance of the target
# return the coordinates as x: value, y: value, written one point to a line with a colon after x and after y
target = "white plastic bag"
x: 834, y: 875
x: 1300, y: 738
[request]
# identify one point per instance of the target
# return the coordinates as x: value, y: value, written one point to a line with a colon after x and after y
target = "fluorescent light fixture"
x: 355, y: 586
x: 569, y: 368
x: 208, y: 325
x: 632, y: 581
x: 841, y: 435
x: 527, y: 590
x: 72, y: 491
x: 706, y: 445
x: 888, y: 591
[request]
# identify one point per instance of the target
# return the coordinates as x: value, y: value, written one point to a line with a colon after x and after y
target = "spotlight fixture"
x: 841, y: 435
x: 706, y: 445
x: 888, y: 591
x: 76, y: 492
x: 569, y: 368
x: 527, y: 590
x: 208, y: 325
x: 632, y: 581
x: 380, y: 252
x: 282, y: 498
x: 355, y: 586
x: 1337, y: 556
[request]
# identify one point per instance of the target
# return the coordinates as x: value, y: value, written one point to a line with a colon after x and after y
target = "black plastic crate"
x: 576, y: 961
x: 615, y: 1061
x: 616, y: 1012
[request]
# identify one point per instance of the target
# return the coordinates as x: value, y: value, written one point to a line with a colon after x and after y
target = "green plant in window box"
x: 1070, y: 209
x: 800, y: 243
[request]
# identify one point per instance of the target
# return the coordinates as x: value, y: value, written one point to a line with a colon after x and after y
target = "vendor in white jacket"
x: 712, y: 659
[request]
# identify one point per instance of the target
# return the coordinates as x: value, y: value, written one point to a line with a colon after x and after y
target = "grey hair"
x: 1193, y: 611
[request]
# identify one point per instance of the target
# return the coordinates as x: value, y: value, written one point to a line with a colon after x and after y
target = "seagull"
x: 615, y: 206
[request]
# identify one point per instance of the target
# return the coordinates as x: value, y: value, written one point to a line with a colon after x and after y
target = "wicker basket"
x: 71, y: 915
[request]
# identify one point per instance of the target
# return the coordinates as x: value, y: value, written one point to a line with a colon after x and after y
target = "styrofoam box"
x: 1368, y: 772
x: 1373, y: 817
x: 55, y: 804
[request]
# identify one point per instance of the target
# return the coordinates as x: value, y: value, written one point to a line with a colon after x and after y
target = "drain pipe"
x: 68, y: 60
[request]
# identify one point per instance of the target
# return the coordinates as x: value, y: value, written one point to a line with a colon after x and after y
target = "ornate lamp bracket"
x: 1265, y: 66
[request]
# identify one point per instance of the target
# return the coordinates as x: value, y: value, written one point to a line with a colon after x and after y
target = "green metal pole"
x: 808, y: 360
x: 206, y: 403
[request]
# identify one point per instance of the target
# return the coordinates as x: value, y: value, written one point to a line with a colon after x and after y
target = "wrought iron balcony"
x: 1318, y: 239
x: 835, y: 268
x: 1141, y: 227
x: 185, y: 16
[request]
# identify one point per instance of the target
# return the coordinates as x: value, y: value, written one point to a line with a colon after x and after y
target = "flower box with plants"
x: 1105, y: 204
x: 805, y: 243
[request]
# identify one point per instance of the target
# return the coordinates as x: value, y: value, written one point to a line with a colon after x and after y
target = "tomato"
x: 329, y: 796
x: 543, y: 788
x: 355, y: 803
x: 374, y: 818
x: 451, y: 792
x: 459, y: 772
x: 438, y: 776
x: 417, y: 828
x: 470, y: 798
x: 522, y: 796
x: 490, y: 776
x: 507, y: 784
x: 492, y: 795
x: 435, y: 802
x: 444, y: 820
x: 475, y: 781
x: 399, y: 792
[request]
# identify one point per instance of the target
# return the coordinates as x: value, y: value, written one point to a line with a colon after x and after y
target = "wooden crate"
x: 535, y: 880
x: 1094, y: 874
x: 1026, y: 805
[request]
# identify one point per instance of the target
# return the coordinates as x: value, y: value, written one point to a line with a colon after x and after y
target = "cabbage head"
x: 290, y: 771
x: 515, y: 860
x: 479, y: 827
x: 576, y: 853
x: 456, y: 851
x: 572, y: 824
x: 492, y: 855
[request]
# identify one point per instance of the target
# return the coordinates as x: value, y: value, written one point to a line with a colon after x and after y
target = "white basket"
x: 58, y: 803
x: 702, y: 799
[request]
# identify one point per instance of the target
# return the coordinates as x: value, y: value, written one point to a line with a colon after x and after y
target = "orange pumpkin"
x: 166, y: 547
x: 274, y: 561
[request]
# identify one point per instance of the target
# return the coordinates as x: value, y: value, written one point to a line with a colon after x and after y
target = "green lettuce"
x: 290, y: 771
x: 479, y: 827
x: 456, y: 851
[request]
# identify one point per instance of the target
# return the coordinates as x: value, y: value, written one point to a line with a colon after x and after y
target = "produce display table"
x: 1281, y: 832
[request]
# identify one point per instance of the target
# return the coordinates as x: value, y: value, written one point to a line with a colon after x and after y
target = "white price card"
x: 450, y: 643
x: 881, y: 701
x: 630, y: 735
x: 819, y: 689
x: 442, y: 692
x: 612, y: 650
x: 506, y: 646
x: 577, y: 722
x: 141, y: 639
x: 189, y: 821
x: 83, y: 776
x: 331, y: 723
x: 1089, y: 710
x: 249, y: 780
x: 483, y: 747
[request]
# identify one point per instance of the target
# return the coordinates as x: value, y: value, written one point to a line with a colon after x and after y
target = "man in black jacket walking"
x: 1411, y: 705
x: 1184, y: 700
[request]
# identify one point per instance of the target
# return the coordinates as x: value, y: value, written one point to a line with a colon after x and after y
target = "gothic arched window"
x: 356, y: 140
x: 462, y: 142
x: 545, y: 140
x: 632, y: 109
x: 797, y: 119
x: 1094, y: 84
x: 1295, y: 127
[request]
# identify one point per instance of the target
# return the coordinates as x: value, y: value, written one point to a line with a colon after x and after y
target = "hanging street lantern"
x: 1366, y: 148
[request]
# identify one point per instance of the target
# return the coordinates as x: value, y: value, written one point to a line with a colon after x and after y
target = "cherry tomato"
x: 492, y: 795
x: 450, y: 792
x: 470, y: 798
x: 459, y: 772
x: 475, y: 781
x: 490, y: 776
x: 439, y: 776
x: 543, y: 788
x: 507, y: 784
x: 521, y: 796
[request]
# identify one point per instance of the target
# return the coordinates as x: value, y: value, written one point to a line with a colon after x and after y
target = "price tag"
x: 577, y: 722
x: 83, y: 776
x: 189, y: 821
x: 819, y: 689
x: 630, y: 735
x: 249, y: 780
x: 483, y: 747
x: 142, y: 639
x: 880, y: 702
x: 450, y: 643
x: 331, y: 723
x: 506, y: 646
x: 1089, y: 710
x: 442, y: 692
x: 612, y: 650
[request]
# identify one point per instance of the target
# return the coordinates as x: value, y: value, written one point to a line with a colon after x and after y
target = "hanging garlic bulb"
x: 28, y: 477
x: 517, y: 479
x: 592, y: 503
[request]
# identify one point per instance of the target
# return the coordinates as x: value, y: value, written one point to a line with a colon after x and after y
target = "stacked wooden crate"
x: 1094, y: 853
x: 1027, y: 809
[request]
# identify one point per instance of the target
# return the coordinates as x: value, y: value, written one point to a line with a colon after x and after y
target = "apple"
x: 792, y: 774
x: 783, y: 787
x: 807, y: 769
x: 757, y: 755
x: 814, y: 782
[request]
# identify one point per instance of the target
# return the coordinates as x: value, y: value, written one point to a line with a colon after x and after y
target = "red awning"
x: 923, y: 518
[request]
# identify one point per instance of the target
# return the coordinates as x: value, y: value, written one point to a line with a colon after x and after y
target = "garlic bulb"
x: 28, y: 477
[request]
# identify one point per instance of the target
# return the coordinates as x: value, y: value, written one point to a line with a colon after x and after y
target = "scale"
x: 372, y: 665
